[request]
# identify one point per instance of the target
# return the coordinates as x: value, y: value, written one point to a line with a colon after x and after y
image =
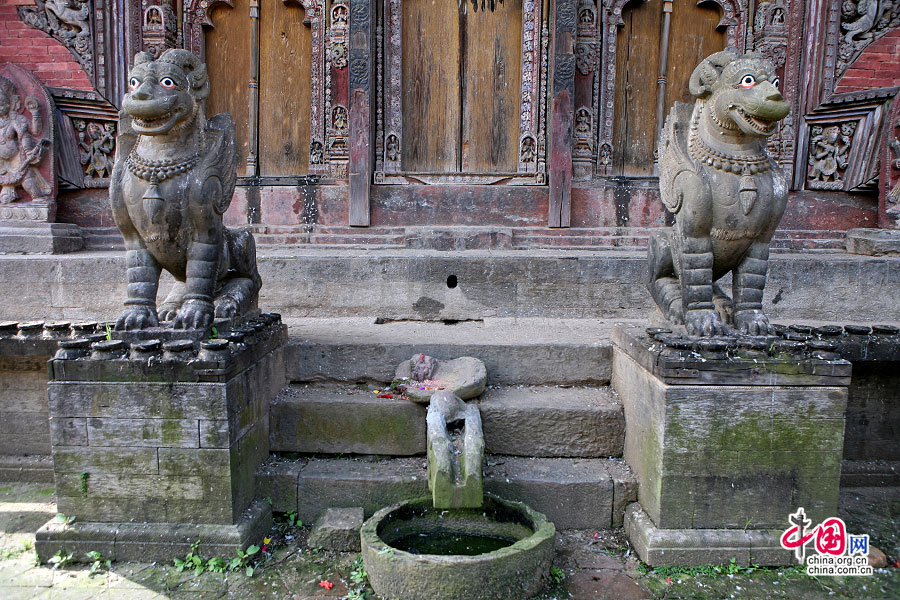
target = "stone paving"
x: 589, y: 565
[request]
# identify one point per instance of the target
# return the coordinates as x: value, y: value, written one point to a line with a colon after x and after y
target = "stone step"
x: 542, y: 421
x: 573, y: 493
x: 549, y: 421
x: 565, y: 283
x: 515, y: 351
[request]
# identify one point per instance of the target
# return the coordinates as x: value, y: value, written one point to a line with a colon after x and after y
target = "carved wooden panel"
x: 284, y: 90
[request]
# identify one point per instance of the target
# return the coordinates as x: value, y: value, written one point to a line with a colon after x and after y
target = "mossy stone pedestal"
x: 155, y: 445
x: 727, y: 437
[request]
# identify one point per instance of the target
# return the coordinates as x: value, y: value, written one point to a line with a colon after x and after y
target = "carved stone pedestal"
x: 35, y: 237
x: 156, y: 445
x: 727, y: 437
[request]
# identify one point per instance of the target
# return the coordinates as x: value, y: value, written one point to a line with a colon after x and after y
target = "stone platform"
x: 728, y: 437
x: 415, y: 284
x: 157, y: 443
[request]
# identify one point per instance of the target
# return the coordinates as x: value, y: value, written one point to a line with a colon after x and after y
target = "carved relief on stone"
x: 316, y: 153
x: 96, y: 148
x: 340, y: 15
x: 339, y: 118
x: 27, y: 167
x: 770, y: 32
x: 829, y: 155
x: 605, y: 158
x: 587, y: 57
x: 159, y: 29
x: 528, y: 150
x: 68, y: 21
x: 863, y: 22
x: 339, y: 54
x: 392, y: 148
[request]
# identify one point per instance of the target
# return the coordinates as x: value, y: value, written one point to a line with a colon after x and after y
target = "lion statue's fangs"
x: 726, y: 193
x: 173, y: 179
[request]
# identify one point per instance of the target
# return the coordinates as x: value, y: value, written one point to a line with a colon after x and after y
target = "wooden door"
x: 283, y: 109
x: 461, y: 87
x: 228, y: 65
x: 693, y: 36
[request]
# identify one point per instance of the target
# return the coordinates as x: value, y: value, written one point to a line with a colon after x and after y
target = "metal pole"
x: 252, y: 161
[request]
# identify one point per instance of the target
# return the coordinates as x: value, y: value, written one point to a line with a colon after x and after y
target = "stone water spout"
x: 455, y: 458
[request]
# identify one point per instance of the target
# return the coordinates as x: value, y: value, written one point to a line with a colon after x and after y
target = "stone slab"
x: 873, y: 242
x: 31, y: 237
x: 337, y: 529
x: 737, y: 456
x: 345, y: 419
x: 688, y: 547
x: 464, y: 376
x: 550, y: 421
x: 573, y: 493
x: 149, y: 542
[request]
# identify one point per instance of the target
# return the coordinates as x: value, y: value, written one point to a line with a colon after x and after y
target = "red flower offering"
x: 326, y: 584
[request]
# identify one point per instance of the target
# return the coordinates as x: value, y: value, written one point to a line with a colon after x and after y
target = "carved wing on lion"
x: 673, y: 154
x: 220, y: 162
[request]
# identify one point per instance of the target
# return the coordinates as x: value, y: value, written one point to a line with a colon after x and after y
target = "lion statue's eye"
x: 748, y: 81
x: 167, y: 82
x: 134, y: 82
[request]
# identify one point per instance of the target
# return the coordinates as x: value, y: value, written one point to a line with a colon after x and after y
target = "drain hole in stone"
x: 452, y: 282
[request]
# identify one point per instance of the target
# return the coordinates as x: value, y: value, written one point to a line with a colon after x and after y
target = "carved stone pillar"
x: 28, y: 168
x: 562, y: 113
x: 361, y: 62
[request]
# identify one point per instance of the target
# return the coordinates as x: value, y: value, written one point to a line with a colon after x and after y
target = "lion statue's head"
x: 740, y: 91
x: 167, y: 93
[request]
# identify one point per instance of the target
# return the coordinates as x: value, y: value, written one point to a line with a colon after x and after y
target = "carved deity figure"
x: 173, y: 179
x: 96, y: 144
x: 727, y: 195
x: 829, y: 152
x: 21, y: 147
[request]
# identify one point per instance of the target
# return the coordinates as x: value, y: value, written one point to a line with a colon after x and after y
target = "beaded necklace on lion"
x: 746, y: 166
x: 155, y: 172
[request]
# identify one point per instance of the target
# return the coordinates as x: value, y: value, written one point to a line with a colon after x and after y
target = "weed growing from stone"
x: 557, y: 575
x: 83, y: 483
x: 66, y: 520
x: 243, y: 561
x: 59, y: 560
x: 98, y: 563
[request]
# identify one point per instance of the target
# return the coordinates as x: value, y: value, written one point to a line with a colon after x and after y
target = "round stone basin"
x: 503, y: 551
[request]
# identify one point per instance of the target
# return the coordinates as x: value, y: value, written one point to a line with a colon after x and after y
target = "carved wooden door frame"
x: 329, y: 130
x: 532, y: 142
x: 734, y: 20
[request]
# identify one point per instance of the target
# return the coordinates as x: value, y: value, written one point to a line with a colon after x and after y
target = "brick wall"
x: 877, y: 67
x: 49, y: 60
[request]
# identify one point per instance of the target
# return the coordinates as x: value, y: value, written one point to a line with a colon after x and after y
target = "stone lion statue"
x: 173, y: 179
x: 726, y: 193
